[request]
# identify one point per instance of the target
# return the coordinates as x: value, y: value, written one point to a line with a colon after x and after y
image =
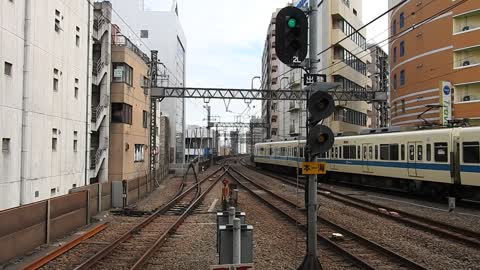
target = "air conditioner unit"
x: 466, y: 63
x: 466, y: 98
x: 466, y: 28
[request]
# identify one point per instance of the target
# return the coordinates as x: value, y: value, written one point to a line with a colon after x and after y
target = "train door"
x: 367, y: 156
x: 415, y: 157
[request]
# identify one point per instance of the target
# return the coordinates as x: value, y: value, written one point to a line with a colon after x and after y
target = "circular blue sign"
x: 446, y: 90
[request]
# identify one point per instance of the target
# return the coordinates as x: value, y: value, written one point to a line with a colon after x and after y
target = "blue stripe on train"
x: 424, y: 166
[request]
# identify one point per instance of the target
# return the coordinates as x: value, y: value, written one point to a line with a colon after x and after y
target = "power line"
x: 363, y: 27
x: 415, y: 26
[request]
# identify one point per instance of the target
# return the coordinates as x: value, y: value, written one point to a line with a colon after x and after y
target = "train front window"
x: 471, y: 152
x: 441, y: 152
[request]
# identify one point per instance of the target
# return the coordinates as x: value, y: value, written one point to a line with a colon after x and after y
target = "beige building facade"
x: 345, y: 63
x: 130, y: 103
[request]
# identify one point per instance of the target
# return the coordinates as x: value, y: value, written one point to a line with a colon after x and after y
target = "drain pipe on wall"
x: 87, y: 101
x: 26, y: 128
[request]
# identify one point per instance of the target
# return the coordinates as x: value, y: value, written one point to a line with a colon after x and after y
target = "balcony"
x: 293, y: 106
x: 467, y: 93
x: 466, y: 22
x: 466, y: 57
x: 293, y: 131
x: 122, y: 41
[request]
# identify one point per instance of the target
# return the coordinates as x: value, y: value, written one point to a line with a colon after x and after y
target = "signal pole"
x: 311, y: 261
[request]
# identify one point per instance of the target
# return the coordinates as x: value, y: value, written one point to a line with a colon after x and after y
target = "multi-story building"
x: 434, y: 65
x: 44, y: 98
x: 345, y: 63
x: 378, y: 70
x: 162, y: 31
x: 198, y: 141
x: 130, y: 104
x: 100, y: 95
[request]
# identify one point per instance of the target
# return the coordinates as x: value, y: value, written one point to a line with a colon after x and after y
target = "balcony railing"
x: 122, y: 41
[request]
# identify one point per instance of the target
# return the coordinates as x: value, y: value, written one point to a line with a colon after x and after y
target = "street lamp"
x: 256, y: 77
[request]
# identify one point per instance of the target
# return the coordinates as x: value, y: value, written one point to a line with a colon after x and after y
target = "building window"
x: 395, y: 81
x: 122, y: 73
x: 139, y: 153
x: 121, y: 113
x: 37, y: 194
x: 145, y: 119
x: 53, y: 191
x: 75, y: 92
x: 75, y: 141
x: 394, y: 54
x: 55, y: 84
x: 356, y: 37
x: 347, y: 84
x: 402, y: 20
x: 402, y: 48
x: 402, y: 77
x: 77, y: 40
x: 394, y: 27
x: 143, y: 33
x: 75, y: 145
x: 355, y: 12
x: 6, y: 144
x: 8, y: 68
x: 74, y: 185
x: 351, y: 60
x: 54, y: 139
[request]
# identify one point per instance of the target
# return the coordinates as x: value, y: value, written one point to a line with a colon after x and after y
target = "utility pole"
x: 209, y: 125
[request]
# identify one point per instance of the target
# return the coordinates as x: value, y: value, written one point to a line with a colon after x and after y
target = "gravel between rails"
x: 433, y: 252
x: 193, y: 246
x: 461, y: 217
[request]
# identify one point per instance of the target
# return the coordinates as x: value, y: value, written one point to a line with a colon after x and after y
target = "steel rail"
x: 385, y: 251
x: 439, y: 228
x: 140, y: 262
x: 66, y: 247
x: 111, y: 247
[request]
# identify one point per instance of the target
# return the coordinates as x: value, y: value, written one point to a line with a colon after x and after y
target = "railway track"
x: 134, y: 247
x: 435, y: 227
x: 359, y: 251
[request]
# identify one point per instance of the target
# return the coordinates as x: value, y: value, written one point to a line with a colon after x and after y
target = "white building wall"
x: 43, y: 171
x: 164, y: 32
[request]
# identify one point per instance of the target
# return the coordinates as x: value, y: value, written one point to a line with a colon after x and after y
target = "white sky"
x: 225, y: 41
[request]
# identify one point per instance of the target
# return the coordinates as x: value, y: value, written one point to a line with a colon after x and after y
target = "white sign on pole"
x: 445, y: 102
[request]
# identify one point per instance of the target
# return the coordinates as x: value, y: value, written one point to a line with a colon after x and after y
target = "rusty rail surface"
x: 64, y: 248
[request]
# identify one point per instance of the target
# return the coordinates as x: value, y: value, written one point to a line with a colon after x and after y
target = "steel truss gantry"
x: 257, y: 94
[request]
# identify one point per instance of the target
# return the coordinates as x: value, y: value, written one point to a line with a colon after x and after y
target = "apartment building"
x: 378, y: 70
x: 44, y: 98
x: 130, y: 104
x: 434, y: 65
x: 346, y: 64
x: 162, y: 31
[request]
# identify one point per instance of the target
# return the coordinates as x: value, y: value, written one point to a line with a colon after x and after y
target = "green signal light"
x: 292, y: 22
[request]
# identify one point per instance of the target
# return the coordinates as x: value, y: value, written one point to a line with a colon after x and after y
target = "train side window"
x: 402, y: 152
x: 393, y: 151
x: 358, y: 153
x: 411, y: 152
x: 419, y: 152
x: 441, y: 152
x: 339, y: 152
x: 364, y: 152
x: 471, y: 152
x: 282, y: 151
x: 270, y: 151
x: 336, y: 152
x: 384, y: 151
x: 429, y: 152
x: 376, y: 151
x: 370, y: 152
x: 295, y: 152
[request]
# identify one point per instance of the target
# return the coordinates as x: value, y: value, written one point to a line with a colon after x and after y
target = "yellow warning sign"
x: 314, y: 168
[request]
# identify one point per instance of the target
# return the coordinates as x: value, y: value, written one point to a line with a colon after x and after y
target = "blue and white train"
x: 434, y: 161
